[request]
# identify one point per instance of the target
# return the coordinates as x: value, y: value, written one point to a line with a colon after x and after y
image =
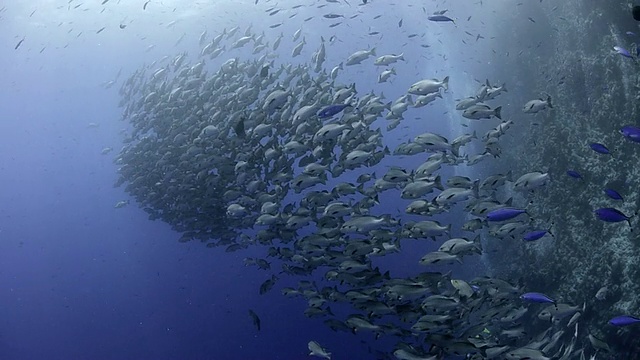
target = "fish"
x: 504, y: 214
x: 537, y: 105
x: 531, y: 181
x: 18, y: 44
x: 601, y: 295
x: 440, y: 18
x: 331, y: 110
x: 317, y: 350
x: 428, y: 86
x: 255, y: 319
x: 599, y: 148
x: 439, y: 257
x: 385, y: 75
x: 622, y: 51
x: 121, y: 204
x: 239, y: 129
x: 613, y: 194
x: 385, y: 60
x: 612, y: 215
x: 481, y: 111
x: 631, y: 132
x: 536, y: 298
x: 359, y: 56
x: 536, y: 235
x: 624, y: 320
x: 574, y: 174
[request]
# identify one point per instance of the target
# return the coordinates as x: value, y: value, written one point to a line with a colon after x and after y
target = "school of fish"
x: 237, y: 147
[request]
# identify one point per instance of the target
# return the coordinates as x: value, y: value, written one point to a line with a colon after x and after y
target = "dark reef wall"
x: 595, y: 93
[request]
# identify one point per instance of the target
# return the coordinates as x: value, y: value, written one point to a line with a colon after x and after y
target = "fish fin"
x: 438, y: 182
x: 497, y: 112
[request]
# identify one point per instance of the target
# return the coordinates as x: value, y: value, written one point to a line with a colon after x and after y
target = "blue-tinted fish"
x: 536, y: 298
x: 599, y: 148
x: 440, y: 18
x: 574, y: 174
x: 612, y: 215
x: 613, y: 194
x: 630, y: 33
x: 505, y: 213
x: 535, y: 235
x: 631, y: 132
x: 330, y: 110
x: 622, y: 51
x: 624, y: 320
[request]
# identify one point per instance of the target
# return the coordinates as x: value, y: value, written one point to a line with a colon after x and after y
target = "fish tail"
x: 497, y: 112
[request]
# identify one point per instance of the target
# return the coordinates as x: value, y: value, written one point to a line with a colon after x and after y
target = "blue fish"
x: 574, y: 174
x: 599, y: 148
x: 624, y: 320
x: 535, y: 235
x: 622, y: 51
x: 330, y: 110
x: 536, y: 298
x: 631, y: 132
x: 505, y: 213
x: 630, y: 33
x: 613, y: 194
x: 440, y: 18
x: 612, y: 215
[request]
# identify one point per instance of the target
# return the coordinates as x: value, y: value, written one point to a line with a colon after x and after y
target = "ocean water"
x: 82, y: 279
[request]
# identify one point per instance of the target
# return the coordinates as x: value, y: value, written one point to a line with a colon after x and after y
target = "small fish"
x: 239, y: 129
x: 121, y: 204
x: 622, y: 51
x: 332, y: 16
x: 122, y: 26
x: 602, y: 293
x: 613, y: 194
x: 624, y: 320
x: 400, y: 23
x: 536, y: 298
x: 317, y: 350
x: 18, y: 44
x: 264, y: 72
x: 535, y: 235
x: 505, y: 213
x: 330, y: 110
x: 101, y: 29
x: 599, y: 148
x: 631, y: 132
x: 574, y: 174
x: 144, y: 7
x: 440, y: 18
x: 255, y: 319
x: 612, y: 215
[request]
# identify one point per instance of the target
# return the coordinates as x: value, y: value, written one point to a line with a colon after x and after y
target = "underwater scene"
x: 332, y: 179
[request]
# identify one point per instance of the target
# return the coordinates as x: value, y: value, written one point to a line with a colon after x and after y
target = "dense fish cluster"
x: 252, y: 150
